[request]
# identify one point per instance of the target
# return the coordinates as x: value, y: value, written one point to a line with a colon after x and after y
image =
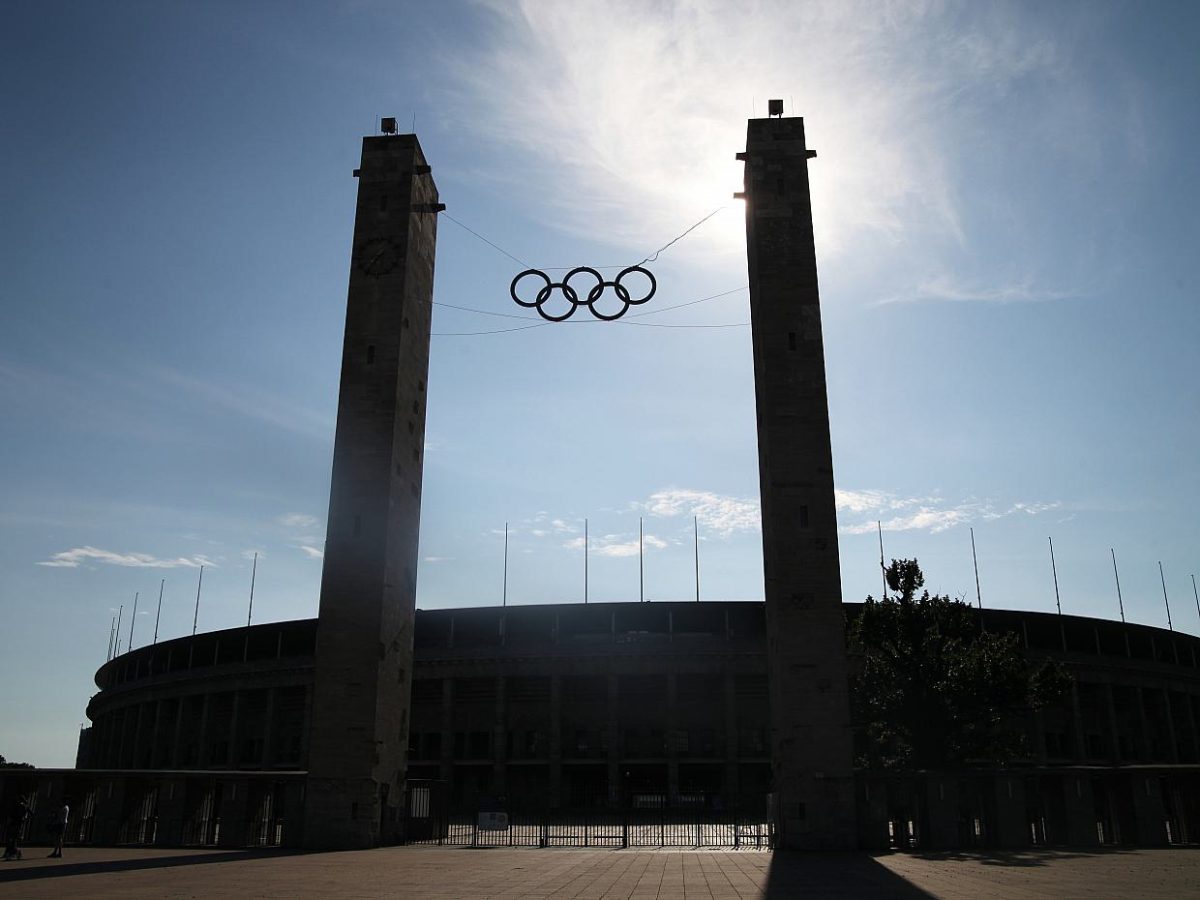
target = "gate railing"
x: 663, y: 826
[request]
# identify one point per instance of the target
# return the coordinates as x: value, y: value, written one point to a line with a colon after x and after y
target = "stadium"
x: 610, y: 707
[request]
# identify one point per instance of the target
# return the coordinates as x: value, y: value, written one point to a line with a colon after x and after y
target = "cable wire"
x: 667, y: 325
x: 486, y: 312
x: 655, y: 312
x: 485, y: 240
x: 652, y: 312
x: 478, y: 333
x: 651, y: 258
x: 679, y: 237
x: 585, y: 322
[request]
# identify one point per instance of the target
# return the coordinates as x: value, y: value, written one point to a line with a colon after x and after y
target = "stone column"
x: 1147, y: 749
x: 446, y: 762
x: 556, y: 751
x: 500, y: 739
x: 1169, y: 714
x: 672, y: 738
x: 232, y: 757
x: 1077, y: 725
x: 156, y: 736
x: 612, y: 723
x: 729, y: 697
x: 264, y: 761
x: 361, y: 693
x: 202, y: 756
x: 1113, y: 727
x: 305, y: 724
x: 1039, y: 736
x: 1192, y: 726
x: 811, y: 738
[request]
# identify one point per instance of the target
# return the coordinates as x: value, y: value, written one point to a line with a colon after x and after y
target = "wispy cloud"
x: 437, y: 559
x: 947, y: 289
x: 590, y: 94
x: 297, y: 520
x: 721, y: 516
x: 251, y: 402
x: 718, y: 513
x: 616, y: 545
x: 932, y: 514
x: 302, y: 536
x: 869, y: 501
x: 541, y: 525
x: 72, y: 559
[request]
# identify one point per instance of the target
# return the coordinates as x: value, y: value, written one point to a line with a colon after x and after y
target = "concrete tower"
x: 811, y: 743
x: 360, y: 706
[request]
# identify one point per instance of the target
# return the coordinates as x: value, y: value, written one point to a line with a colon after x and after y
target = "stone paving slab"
x: 1053, y: 874
x: 442, y: 873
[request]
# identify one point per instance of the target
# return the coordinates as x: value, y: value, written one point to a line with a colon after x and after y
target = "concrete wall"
x: 162, y: 809
x: 1018, y: 808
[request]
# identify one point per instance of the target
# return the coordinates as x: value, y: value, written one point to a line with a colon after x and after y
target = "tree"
x: 5, y: 764
x: 932, y: 689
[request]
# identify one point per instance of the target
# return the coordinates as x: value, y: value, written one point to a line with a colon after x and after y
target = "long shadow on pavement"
x: 57, y: 869
x: 795, y: 873
x: 1019, y: 858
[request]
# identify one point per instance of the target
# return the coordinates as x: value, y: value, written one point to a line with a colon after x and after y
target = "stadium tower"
x: 363, y: 667
x: 811, y: 741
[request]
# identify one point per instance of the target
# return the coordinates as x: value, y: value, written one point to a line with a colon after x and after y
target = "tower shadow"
x: 795, y: 873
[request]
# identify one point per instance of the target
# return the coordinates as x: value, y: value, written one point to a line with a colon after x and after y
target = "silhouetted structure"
x: 297, y: 732
x: 360, y: 705
x: 811, y: 746
x: 204, y: 740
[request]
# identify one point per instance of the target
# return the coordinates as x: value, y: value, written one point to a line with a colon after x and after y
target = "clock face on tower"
x: 377, y: 257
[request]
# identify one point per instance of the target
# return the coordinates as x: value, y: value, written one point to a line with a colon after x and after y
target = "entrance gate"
x: 648, y: 820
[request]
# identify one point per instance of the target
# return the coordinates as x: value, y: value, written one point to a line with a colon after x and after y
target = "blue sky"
x: 1005, y: 200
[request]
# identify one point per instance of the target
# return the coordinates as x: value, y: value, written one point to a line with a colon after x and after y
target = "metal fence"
x: 650, y: 823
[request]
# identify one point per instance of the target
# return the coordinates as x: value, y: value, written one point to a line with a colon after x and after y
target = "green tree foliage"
x: 930, y: 689
x: 5, y: 764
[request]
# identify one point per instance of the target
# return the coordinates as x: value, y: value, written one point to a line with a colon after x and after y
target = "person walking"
x: 58, y: 828
x: 17, y: 815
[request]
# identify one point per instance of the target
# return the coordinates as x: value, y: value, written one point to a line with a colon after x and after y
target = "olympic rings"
x: 591, y: 297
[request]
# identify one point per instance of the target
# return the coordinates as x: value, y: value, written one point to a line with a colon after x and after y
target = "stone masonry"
x: 811, y: 742
x: 363, y: 669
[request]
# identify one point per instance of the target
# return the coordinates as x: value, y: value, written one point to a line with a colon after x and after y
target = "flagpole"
x: 196, y: 615
x: 1054, y: 571
x: 978, y: 593
x: 253, y: 573
x: 158, y: 615
x: 118, y: 647
x: 641, y: 568
x: 1166, y: 602
x: 1120, y: 599
x: 133, y: 619
x: 882, y: 566
x: 1057, y: 601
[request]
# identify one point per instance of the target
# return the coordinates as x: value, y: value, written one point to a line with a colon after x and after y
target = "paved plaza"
x: 441, y: 873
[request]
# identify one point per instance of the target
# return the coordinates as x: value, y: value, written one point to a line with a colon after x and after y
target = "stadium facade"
x: 203, y: 740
